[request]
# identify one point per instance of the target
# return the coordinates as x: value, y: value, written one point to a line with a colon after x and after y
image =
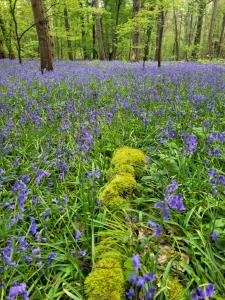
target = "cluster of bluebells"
x: 216, y: 143
x: 18, y: 289
x: 21, y: 188
x: 199, y: 293
x: 217, y: 182
x: 140, y: 283
x: 191, y: 143
x: 172, y: 200
x: 157, y: 227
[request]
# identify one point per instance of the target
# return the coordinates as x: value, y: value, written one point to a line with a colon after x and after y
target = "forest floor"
x: 58, y: 135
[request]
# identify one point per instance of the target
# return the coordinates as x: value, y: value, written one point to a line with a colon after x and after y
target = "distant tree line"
x: 135, y: 30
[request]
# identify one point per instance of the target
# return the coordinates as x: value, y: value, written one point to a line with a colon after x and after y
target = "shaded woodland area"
x: 112, y: 30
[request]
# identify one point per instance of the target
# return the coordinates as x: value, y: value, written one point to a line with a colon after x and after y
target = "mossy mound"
x: 125, y: 157
x: 118, y: 191
x: 175, y: 290
x: 107, y: 248
x: 106, y: 281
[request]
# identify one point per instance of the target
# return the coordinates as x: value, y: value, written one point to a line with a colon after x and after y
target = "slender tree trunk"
x: 7, y: 39
x: 18, y: 38
x: 94, y: 52
x: 197, y: 41
x: 83, y: 34
x: 136, y: 34
x: 99, y: 33
x: 221, y: 41
x: 159, y: 36
x: 114, y: 35
x: 2, y: 52
x: 212, y: 27
x: 147, y: 41
x: 67, y: 27
x: 45, y: 44
x: 176, y: 39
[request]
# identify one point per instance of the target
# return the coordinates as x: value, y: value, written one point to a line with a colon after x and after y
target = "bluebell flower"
x: 209, y: 290
x: 140, y: 282
x: 136, y: 262
x: 214, y: 235
x: 77, y: 235
x: 133, y: 278
x: 16, y: 290
x: 130, y: 294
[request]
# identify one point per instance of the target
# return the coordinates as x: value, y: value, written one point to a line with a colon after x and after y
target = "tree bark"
x: 83, y: 34
x: 148, y: 38
x: 197, y: 41
x: 2, y: 52
x: 99, y: 34
x: 221, y: 41
x: 212, y: 27
x: 136, y: 34
x: 45, y: 44
x: 6, y: 39
x: 159, y: 36
x: 67, y: 27
x: 114, y: 35
x: 176, y: 39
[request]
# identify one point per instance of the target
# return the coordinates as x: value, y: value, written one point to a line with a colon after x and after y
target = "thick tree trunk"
x: 7, y: 39
x: 136, y: 34
x: 221, y: 41
x: 67, y: 27
x: 159, y: 37
x: 45, y: 44
x: 212, y: 27
x: 99, y: 33
x: 197, y: 41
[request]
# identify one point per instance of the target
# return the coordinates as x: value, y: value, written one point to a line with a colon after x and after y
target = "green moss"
x: 106, y: 281
x: 107, y: 248
x: 120, y: 170
x: 175, y: 290
x: 127, y: 157
x: 118, y: 191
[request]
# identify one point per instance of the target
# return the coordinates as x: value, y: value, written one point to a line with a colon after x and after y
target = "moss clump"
x: 116, y: 192
x: 175, y: 290
x: 120, y: 170
x: 107, y: 248
x: 126, y: 157
x: 106, y: 281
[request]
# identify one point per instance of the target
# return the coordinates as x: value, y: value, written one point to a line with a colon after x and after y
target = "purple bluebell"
x: 136, y: 261
x: 16, y: 290
x: 130, y: 294
x: 214, y: 235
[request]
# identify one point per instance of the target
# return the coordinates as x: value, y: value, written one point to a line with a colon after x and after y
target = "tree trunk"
x: 83, y: 34
x: 221, y: 41
x: 159, y: 36
x: 45, y: 44
x: 114, y: 35
x: 99, y: 33
x: 176, y: 39
x: 94, y: 52
x: 67, y: 27
x: 212, y: 27
x: 148, y: 38
x: 6, y: 39
x: 2, y: 53
x: 197, y: 41
x: 136, y: 34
